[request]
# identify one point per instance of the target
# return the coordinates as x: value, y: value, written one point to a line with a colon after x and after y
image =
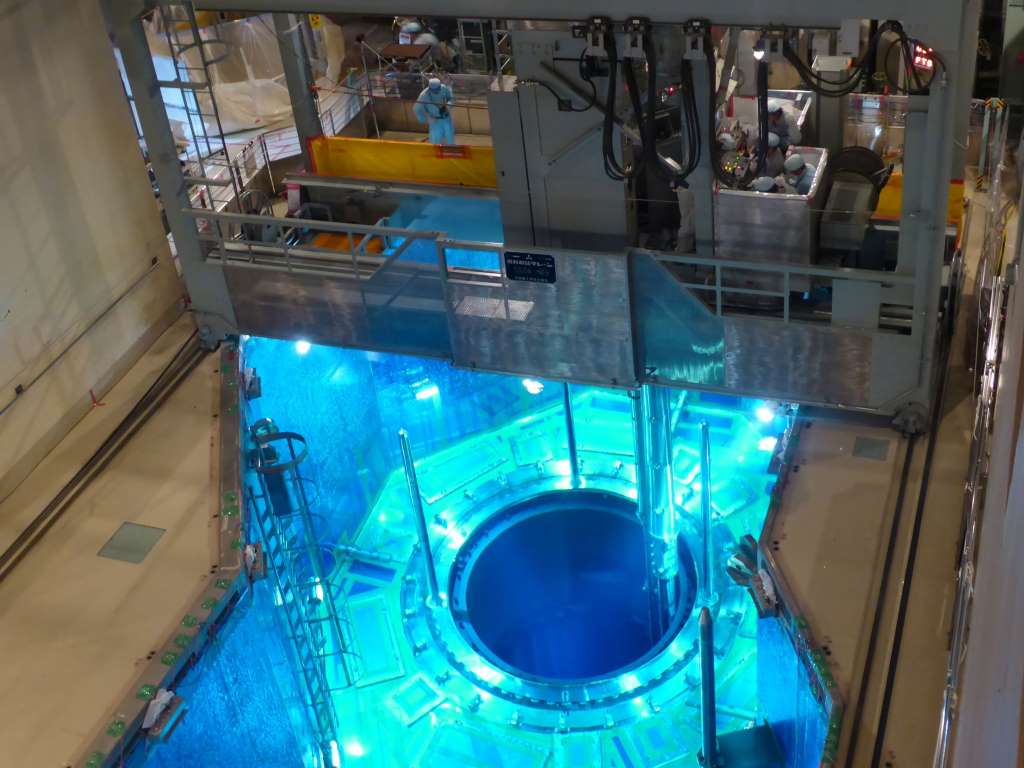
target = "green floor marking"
x: 146, y: 692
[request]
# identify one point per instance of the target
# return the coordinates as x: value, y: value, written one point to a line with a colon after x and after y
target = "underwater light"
x: 302, y: 347
x: 533, y: 386
x: 427, y: 392
x: 765, y: 413
x: 767, y: 443
x: 352, y: 748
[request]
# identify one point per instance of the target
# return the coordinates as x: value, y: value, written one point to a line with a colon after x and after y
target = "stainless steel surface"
x: 708, y: 727
x: 791, y: 12
x: 652, y: 415
x: 388, y: 187
x: 845, y: 218
x: 401, y: 310
x: 765, y: 356
x: 291, y: 30
x: 409, y: 466
x: 577, y: 328
x: 551, y: 175
x: 570, y: 436
x: 707, y: 580
x: 772, y: 228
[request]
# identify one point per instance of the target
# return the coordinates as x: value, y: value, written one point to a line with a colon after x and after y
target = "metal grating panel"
x: 680, y: 342
x: 576, y: 328
x: 400, y: 310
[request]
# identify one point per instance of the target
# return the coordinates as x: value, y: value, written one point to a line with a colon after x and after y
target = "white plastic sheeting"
x: 248, y: 78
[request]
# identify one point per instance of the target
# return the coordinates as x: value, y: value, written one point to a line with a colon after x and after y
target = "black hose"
x: 611, y: 165
x: 915, y: 537
x: 848, y: 84
x: 188, y: 356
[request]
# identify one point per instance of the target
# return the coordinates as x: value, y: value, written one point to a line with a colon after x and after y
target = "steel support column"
x: 702, y: 181
x: 207, y: 289
x: 928, y: 153
x: 290, y: 28
x: 652, y: 416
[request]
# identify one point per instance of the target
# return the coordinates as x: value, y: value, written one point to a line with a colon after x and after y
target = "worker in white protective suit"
x: 782, y: 123
x: 433, y: 107
x: 799, y: 174
x: 765, y: 184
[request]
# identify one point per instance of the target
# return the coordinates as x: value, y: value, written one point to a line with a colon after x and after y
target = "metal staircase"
x: 209, y: 164
x: 320, y: 636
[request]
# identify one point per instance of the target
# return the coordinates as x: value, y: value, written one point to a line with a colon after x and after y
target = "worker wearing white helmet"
x: 799, y: 174
x: 782, y: 123
x: 433, y: 107
x: 764, y: 184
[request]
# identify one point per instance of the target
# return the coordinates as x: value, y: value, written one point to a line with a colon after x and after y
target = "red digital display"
x: 923, y: 57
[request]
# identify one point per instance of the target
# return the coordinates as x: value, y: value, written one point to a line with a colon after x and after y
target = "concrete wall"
x: 86, y: 279
x: 990, y: 730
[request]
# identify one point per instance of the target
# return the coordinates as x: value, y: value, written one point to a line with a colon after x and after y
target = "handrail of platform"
x: 721, y: 288
x: 354, y: 262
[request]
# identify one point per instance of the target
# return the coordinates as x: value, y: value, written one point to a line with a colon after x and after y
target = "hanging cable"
x: 612, y: 167
x: 849, y: 83
x: 754, y: 168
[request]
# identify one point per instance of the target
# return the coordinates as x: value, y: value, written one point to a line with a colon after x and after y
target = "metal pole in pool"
x: 421, y: 521
x: 708, y: 596
x: 708, y: 727
x: 570, y: 430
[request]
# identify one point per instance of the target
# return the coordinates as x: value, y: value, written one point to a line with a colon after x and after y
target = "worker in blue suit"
x: 433, y: 107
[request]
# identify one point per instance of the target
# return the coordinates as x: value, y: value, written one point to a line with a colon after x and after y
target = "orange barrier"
x: 890, y: 201
x: 338, y: 241
x: 412, y: 161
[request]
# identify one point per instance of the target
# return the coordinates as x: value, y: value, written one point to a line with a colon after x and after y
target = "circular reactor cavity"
x: 552, y: 588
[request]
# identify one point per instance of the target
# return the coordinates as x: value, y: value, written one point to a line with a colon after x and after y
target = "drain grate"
x: 131, y: 542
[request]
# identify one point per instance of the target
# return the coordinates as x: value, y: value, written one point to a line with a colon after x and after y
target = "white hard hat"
x: 763, y: 184
x: 434, y: 83
x: 774, y: 105
x: 773, y: 139
x: 727, y: 141
x: 412, y: 27
x: 795, y: 162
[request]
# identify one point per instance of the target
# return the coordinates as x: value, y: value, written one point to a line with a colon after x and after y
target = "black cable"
x: 567, y: 101
x: 188, y: 355
x: 585, y: 77
x: 558, y: 97
x: 915, y: 537
x: 690, y: 118
x: 762, y: 121
x: 650, y: 127
x: 848, y: 84
x: 612, y: 167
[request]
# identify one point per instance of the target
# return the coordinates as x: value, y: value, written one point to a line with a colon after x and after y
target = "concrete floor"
x: 834, y: 531
x: 77, y: 625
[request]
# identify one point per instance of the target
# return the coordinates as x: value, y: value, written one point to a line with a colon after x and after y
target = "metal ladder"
x: 209, y: 164
x: 317, y: 631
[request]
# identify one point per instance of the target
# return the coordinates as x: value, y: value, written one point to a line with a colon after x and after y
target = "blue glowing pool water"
x: 424, y: 694
x: 477, y: 220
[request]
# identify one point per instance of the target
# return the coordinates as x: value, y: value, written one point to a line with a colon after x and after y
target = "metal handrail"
x: 836, y: 273
x: 974, y: 493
